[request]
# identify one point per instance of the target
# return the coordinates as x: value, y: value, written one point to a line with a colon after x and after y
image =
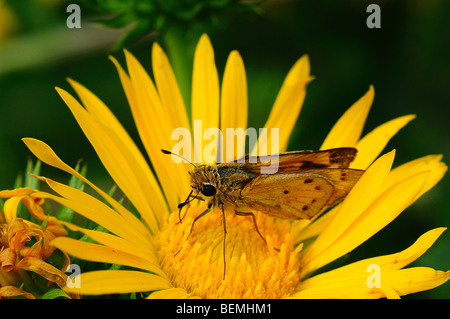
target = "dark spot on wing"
x: 286, y: 192
x: 305, y: 207
x: 308, y: 180
x: 309, y: 165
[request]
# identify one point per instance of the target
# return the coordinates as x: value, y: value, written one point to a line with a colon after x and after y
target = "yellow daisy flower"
x: 151, y: 244
x: 18, y: 254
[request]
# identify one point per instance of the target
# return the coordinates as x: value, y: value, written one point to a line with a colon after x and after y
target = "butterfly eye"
x: 208, y: 190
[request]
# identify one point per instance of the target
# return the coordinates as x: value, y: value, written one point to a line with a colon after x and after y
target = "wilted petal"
x: 11, y: 291
x: 43, y: 269
x: 7, y: 259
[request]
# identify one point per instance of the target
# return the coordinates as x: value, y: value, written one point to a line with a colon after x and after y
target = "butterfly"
x: 292, y: 185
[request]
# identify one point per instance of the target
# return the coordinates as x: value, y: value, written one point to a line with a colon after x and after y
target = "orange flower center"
x: 254, y: 268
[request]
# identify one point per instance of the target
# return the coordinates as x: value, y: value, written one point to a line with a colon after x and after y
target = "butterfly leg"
x: 224, y: 237
x: 193, y: 223
x: 197, y: 218
x: 186, y: 203
x: 254, y: 222
x: 181, y: 205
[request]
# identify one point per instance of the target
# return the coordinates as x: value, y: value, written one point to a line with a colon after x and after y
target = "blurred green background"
x: 407, y: 61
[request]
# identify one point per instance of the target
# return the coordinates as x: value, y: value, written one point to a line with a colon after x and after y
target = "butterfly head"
x: 204, y: 180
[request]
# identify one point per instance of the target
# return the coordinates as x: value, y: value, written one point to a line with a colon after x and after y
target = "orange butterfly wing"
x: 297, y: 195
x: 299, y: 160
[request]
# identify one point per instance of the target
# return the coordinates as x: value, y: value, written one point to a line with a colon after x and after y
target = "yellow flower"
x: 33, y: 204
x: 18, y: 253
x: 151, y: 243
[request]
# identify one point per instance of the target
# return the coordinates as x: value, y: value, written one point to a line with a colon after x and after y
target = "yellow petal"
x: 155, y: 124
x: 168, y: 89
x: 91, y: 208
x: 14, y: 197
x: 431, y: 163
x: 347, y: 130
x: 350, y: 281
x: 340, y: 288
x: 354, y: 287
x: 104, y: 254
x: 33, y: 205
x: 287, y: 106
x: 171, y: 293
x: 10, y: 208
x: 387, y: 291
x: 388, y: 262
x: 233, y: 106
x: 172, y: 101
x: 118, y: 281
x: 137, y: 248
x: 120, y: 163
x: 380, y: 213
x: 48, y: 156
x: 16, y: 192
x: 101, y: 113
x: 357, y: 201
x: 411, y: 280
x: 371, y: 145
x: 205, y: 94
x: 315, y: 227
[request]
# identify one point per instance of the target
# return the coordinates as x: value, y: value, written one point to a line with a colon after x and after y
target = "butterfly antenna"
x: 170, y: 153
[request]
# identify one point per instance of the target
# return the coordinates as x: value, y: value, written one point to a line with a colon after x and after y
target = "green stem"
x: 180, y: 47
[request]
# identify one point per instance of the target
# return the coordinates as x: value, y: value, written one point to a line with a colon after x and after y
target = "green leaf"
x: 55, y: 293
x: 119, y: 21
x: 189, y: 14
x: 218, y: 3
x: 109, y: 5
x: 64, y: 213
x: 56, y: 259
x: 26, y: 180
x: 31, y: 181
x: 18, y: 183
x: 136, y: 32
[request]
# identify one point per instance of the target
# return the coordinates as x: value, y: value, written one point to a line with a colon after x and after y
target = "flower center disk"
x: 254, y: 268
